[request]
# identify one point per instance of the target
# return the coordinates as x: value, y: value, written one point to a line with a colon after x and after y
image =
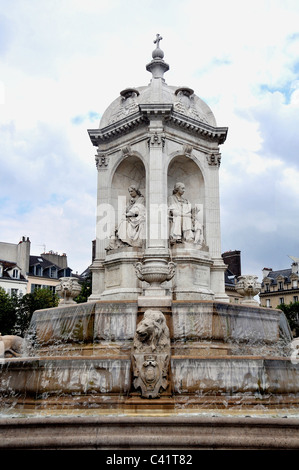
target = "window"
x: 42, y: 286
x: 267, y: 287
x: 15, y: 273
x: 35, y: 286
x: 268, y: 303
x: 14, y: 291
x: 53, y: 272
x: 38, y: 270
x: 295, y: 298
x: 281, y: 300
x: 280, y: 285
x: 295, y: 283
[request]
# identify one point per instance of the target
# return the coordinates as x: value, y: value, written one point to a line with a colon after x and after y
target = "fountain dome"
x: 181, y: 98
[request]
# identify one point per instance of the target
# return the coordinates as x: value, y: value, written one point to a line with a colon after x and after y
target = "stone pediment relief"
x: 185, y: 104
x: 128, y: 105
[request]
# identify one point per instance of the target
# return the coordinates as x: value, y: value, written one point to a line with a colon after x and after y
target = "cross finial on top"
x: 157, y: 66
x: 158, y: 39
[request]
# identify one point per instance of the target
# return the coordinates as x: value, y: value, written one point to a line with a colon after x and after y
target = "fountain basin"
x: 221, y: 355
x: 207, y: 381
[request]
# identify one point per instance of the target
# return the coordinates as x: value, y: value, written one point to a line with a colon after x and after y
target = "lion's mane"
x: 152, y: 333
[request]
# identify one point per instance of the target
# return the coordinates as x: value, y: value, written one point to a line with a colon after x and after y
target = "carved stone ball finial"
x: 158, y: 53
x: 157, y: 66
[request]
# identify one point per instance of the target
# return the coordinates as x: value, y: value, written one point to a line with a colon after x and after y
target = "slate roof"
x: 7, y: 266
x: 229, y: 279
x: 274, y: 275
x: 35, y: 260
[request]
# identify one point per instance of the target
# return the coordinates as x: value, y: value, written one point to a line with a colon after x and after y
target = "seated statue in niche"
x: 131, y: 230
x: 185, y: 221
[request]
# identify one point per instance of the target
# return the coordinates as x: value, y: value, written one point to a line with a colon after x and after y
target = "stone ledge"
x: 139, y: 432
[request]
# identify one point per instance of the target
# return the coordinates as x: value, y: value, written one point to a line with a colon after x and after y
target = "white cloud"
x: 63, y: 62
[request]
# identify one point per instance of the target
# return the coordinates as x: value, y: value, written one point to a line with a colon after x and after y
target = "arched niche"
x: 183, y: 169
x: 130, y: 171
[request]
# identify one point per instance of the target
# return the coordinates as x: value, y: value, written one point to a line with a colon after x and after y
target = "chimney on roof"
x: 55, y: 258
x: 23, y: 255
x: 295, y: 268
x: 266, y: 272
x: 233, y: 261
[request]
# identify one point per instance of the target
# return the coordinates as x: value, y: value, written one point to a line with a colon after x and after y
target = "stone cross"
x: 158, y: 39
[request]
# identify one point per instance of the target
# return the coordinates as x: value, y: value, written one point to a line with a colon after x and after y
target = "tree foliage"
x: 8, y: 312
x: 85, y: 290
x: 291, y: 312
x: 16, y: 312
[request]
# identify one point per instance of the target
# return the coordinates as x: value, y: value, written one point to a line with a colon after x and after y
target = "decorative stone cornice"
x: 150, y: 109
x: 218, y: 134
x: 115, y: 130
x: 164, y: 111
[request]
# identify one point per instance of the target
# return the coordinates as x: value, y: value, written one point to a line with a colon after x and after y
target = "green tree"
x: 38, y: 300
x: 291, y: 312
x: 85, y: 290
x: 8, y: 312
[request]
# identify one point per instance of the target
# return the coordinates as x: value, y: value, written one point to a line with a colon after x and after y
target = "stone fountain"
x: 158, y: 338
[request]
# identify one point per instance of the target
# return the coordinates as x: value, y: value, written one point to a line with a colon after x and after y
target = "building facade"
x: 11, y: 278
x: 22, y: 273
x: 45, y: 271
x: 280, y: 287
x: 14, y: 265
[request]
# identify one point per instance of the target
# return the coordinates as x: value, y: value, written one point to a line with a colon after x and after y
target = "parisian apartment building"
x: 280, y: 287
x: 22, y: 273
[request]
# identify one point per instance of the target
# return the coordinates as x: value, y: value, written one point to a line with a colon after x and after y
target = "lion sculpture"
x: 68, y: 289
x: 12, y: 345
x: 248, y: 286
x: 152, y: 333
x: 151, y: 354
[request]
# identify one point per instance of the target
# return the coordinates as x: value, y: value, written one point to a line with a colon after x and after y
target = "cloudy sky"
x: 62, y: 62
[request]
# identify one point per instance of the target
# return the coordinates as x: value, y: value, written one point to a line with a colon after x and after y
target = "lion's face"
x: 152, y: 332
x: 65, y: 286
x: 145, y: 330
